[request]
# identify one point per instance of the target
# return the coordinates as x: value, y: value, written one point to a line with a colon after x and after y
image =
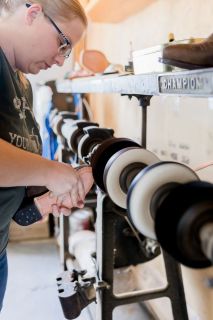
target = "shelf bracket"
x: 144, y: 102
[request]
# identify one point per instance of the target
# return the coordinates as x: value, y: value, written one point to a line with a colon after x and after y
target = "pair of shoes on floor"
x: 189, y: 56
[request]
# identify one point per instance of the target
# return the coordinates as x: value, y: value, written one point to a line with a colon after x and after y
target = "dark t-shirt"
x: 18, y: 127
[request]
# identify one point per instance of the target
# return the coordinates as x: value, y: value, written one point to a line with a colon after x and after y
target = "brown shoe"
x: 94, y: 61
x: 190, y: 56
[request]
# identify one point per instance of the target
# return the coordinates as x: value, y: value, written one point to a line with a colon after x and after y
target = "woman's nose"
x: 59, y: 60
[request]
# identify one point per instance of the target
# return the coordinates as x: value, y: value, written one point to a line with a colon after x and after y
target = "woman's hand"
x: 63, y: 203
x: 63, y: 178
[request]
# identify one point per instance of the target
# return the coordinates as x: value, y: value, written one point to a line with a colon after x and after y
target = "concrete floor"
x: 32, y: 292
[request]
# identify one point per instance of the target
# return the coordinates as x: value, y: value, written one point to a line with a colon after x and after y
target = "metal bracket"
x: 144, y: 102
x: 75, y: 292
x: 144, y: 99
x: 100, y: 285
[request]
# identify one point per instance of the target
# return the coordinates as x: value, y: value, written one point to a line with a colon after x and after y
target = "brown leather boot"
x: 190, y: 56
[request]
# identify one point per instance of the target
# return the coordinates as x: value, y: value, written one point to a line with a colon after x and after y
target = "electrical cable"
x: 203, y: 166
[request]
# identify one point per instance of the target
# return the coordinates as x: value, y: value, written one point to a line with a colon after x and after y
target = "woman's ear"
x: 33, y: 12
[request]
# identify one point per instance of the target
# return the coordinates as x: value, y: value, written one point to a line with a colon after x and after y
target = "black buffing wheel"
x: 144, y: 187
x: 179, y: 219
x: 77, y: 133
x: 84, y: 146
x: 121, y: 169
x: 103, y: 154
x: 70, y: 131
x: 89, y: 141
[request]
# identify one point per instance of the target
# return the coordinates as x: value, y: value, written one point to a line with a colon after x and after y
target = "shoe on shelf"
x: 189, y: 56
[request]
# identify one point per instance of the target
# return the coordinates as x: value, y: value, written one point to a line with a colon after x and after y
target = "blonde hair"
x: 59, y: 9
x: 22, y: 79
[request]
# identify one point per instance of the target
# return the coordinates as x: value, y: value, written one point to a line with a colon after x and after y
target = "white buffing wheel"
x: 68, y: 123
x: 144, y: 186
x: 80, y: 144
x: 68, y: 129
x: 117, y: 163
x: 55, y: 123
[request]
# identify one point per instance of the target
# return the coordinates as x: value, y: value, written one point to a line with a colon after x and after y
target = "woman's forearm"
x: 22, y: 168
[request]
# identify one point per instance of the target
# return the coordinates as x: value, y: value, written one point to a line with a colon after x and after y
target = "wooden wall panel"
x: 113, y: 11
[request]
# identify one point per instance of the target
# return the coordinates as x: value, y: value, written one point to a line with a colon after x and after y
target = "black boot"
x: 190, y: 56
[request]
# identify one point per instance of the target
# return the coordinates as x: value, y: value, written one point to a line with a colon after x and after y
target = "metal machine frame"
x: 107, y: 214
x: 196, y: 83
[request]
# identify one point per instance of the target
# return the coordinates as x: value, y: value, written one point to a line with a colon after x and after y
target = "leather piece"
x: 189, y: 55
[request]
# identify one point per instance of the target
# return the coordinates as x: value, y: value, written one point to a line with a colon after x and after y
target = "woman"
x: 33, y: 36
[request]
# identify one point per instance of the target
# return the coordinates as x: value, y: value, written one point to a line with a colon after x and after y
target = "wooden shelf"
x: 113, y: 11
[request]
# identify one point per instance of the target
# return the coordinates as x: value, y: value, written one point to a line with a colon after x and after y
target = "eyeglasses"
x: 66, y: 45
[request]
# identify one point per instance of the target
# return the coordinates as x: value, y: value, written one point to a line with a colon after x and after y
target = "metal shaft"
x: 206, y: 237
